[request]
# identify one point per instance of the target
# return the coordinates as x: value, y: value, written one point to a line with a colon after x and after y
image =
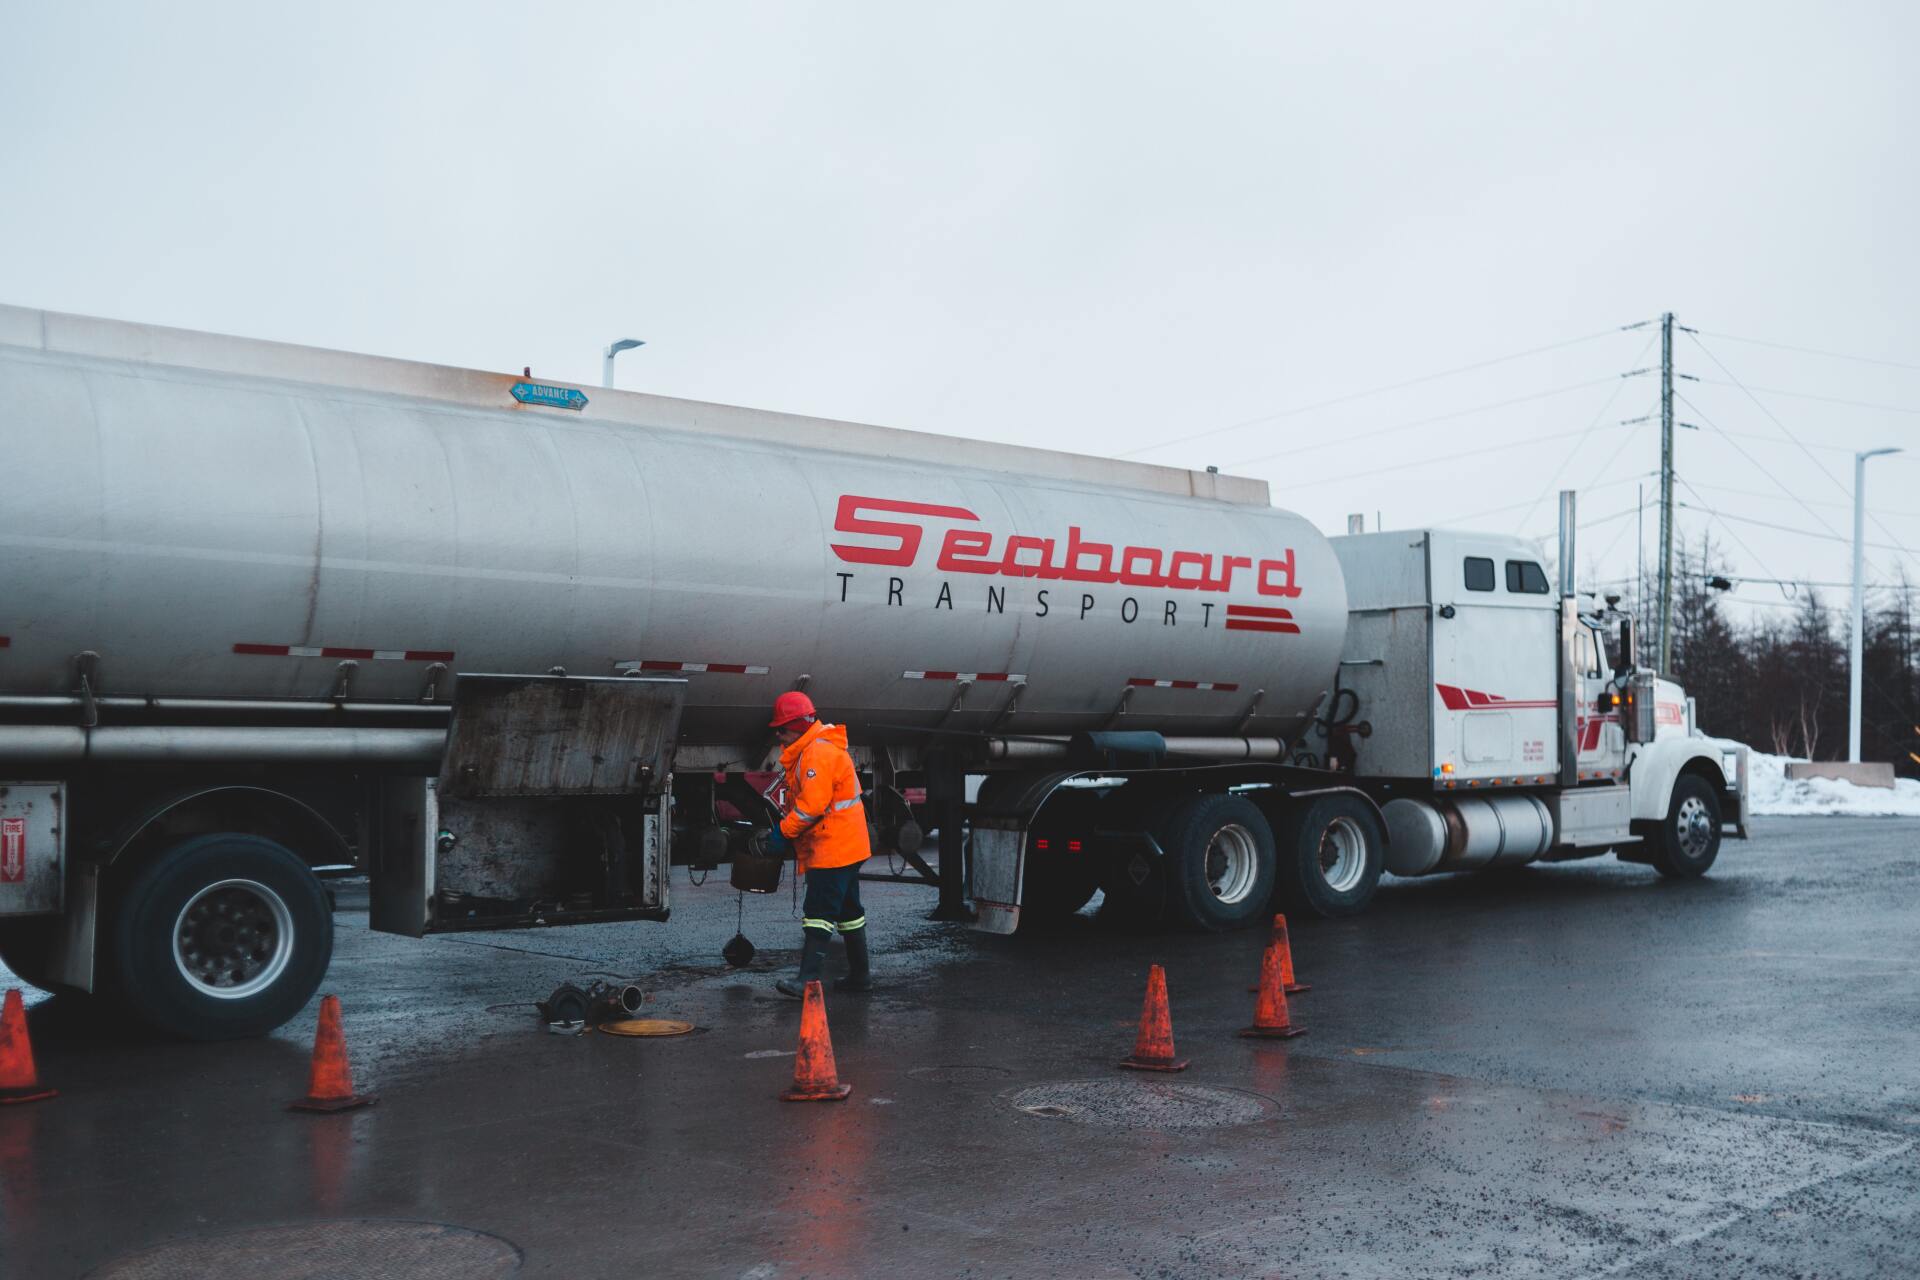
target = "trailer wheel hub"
x: 233, y: 939
x: 1233, y: 863
x: 1343, y: 854
x: 356, y: 1249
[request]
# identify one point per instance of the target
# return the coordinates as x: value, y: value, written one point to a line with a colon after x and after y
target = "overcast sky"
x: 1114, y: 228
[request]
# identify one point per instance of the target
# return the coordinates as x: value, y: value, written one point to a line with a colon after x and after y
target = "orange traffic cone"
x: 19, y: 1082
x: 815, y: 1078
x: 330, y: 1085
x: 1279, y: 935
x: 1153, y: 1047
x: 1270, y: 1020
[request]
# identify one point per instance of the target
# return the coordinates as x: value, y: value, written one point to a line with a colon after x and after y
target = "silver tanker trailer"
x: 507, y: 646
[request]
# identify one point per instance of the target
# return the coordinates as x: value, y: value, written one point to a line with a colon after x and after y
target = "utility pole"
x: 1666, y: 492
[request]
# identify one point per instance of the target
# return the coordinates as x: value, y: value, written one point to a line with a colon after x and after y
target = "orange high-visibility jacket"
x: 825, y: 819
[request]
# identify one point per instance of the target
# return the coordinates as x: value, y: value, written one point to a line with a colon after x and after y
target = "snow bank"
x: 1773, y: 794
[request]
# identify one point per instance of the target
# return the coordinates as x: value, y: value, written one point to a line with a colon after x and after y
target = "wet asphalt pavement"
x: 1571, y: 1071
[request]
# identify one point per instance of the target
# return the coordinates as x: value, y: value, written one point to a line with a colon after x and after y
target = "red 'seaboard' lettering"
x: 1080, y: 559
x: 848, y: 520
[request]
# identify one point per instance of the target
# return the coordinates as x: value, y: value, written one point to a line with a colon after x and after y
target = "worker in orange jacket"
x: 827, y: 824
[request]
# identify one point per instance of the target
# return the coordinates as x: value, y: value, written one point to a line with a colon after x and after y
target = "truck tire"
x: 221, y: 936
x: 1219, y: 863
x: 1687, y: 840
x: 1333, y: 850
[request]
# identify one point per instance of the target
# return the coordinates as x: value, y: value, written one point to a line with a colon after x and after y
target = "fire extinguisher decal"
x: 13, y: 850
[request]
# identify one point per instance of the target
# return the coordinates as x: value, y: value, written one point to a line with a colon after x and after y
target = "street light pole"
x: 606, y: 362
x: 1859, y: 608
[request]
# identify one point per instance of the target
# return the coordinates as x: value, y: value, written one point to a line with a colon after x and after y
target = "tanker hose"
x: 1334, y: 720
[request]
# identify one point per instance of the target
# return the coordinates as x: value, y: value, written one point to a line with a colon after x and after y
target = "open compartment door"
x: 553, y: 806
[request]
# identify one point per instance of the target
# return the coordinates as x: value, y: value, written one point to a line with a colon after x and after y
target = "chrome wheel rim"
x: 1343, y: 855
x: 1233, y: 864
x: 233, y: 939
x: 1694, y: 827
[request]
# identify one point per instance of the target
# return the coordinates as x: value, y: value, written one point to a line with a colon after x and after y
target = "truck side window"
x: 1479, y: 573
x: 1524, y: 577
x: 1585, y: 653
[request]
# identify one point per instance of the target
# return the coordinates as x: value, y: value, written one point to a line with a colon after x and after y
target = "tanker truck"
x: 507, y: 646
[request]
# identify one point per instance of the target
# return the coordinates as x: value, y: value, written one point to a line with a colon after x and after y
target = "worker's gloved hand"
x: 778, y: 846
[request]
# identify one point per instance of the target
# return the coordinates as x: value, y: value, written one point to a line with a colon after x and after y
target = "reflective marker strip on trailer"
x: 712, y: 668
x: 990, y: 676
x: 5, y: 641
x: 336, y: 651
x: 1253, y: 617
x: 1144, y: 682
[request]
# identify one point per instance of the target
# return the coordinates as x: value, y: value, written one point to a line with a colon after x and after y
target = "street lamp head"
x: 1874, y: 453
x: 625, y: 344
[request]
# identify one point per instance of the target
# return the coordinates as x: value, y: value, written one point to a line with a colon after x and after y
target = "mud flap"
x: 996, y: 871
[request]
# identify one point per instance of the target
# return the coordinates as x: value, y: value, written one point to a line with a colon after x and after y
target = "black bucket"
x: 756, y: 872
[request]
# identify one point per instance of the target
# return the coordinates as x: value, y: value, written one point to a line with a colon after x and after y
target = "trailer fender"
x: 255, y: 810
x: 1277, y: 802
x: 1656, y: 766
x: 997, y: 857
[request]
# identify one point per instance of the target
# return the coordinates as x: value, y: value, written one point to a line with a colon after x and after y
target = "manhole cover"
x: 356, y: 1249
x: 959, y: 1073
x: 646, y: 1027
x: 1151, y: 1104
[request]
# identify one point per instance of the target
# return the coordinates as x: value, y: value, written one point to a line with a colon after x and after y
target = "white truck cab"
x: 1499, y: 722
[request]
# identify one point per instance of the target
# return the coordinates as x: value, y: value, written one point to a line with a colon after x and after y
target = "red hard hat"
x: 789, y: 707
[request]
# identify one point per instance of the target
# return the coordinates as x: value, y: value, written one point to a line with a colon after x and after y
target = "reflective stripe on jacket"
x: 825, y: 819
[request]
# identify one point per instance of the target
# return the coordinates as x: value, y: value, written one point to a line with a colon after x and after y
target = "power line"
x: 1553, y: 484
x: 1619, y: 533
x: 1762, y: 469
x: 1783, y: 528
x: 1784, y: 430
x: 1812, y: 351
x: 1730, y: 532
x: 1778, y: 497
x: 1348, y: 438
x: 1515, y: 506
x: 1808, y: 395
x: 1429, y: 462
x: 1361, y: 395
x: 1803, y: 582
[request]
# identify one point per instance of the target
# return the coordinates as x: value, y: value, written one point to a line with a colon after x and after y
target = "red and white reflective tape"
x: 5, y: 641
x: 339, y: 651
x: 1142, y: 682
x: 991, y: 677
x: 1253, y: 617
x: 712, y: 668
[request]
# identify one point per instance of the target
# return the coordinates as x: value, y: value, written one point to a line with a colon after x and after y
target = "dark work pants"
x: 832, y: 904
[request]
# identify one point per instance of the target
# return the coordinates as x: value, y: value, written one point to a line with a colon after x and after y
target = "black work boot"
x: 859, y: 976
x: 813, y: 958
